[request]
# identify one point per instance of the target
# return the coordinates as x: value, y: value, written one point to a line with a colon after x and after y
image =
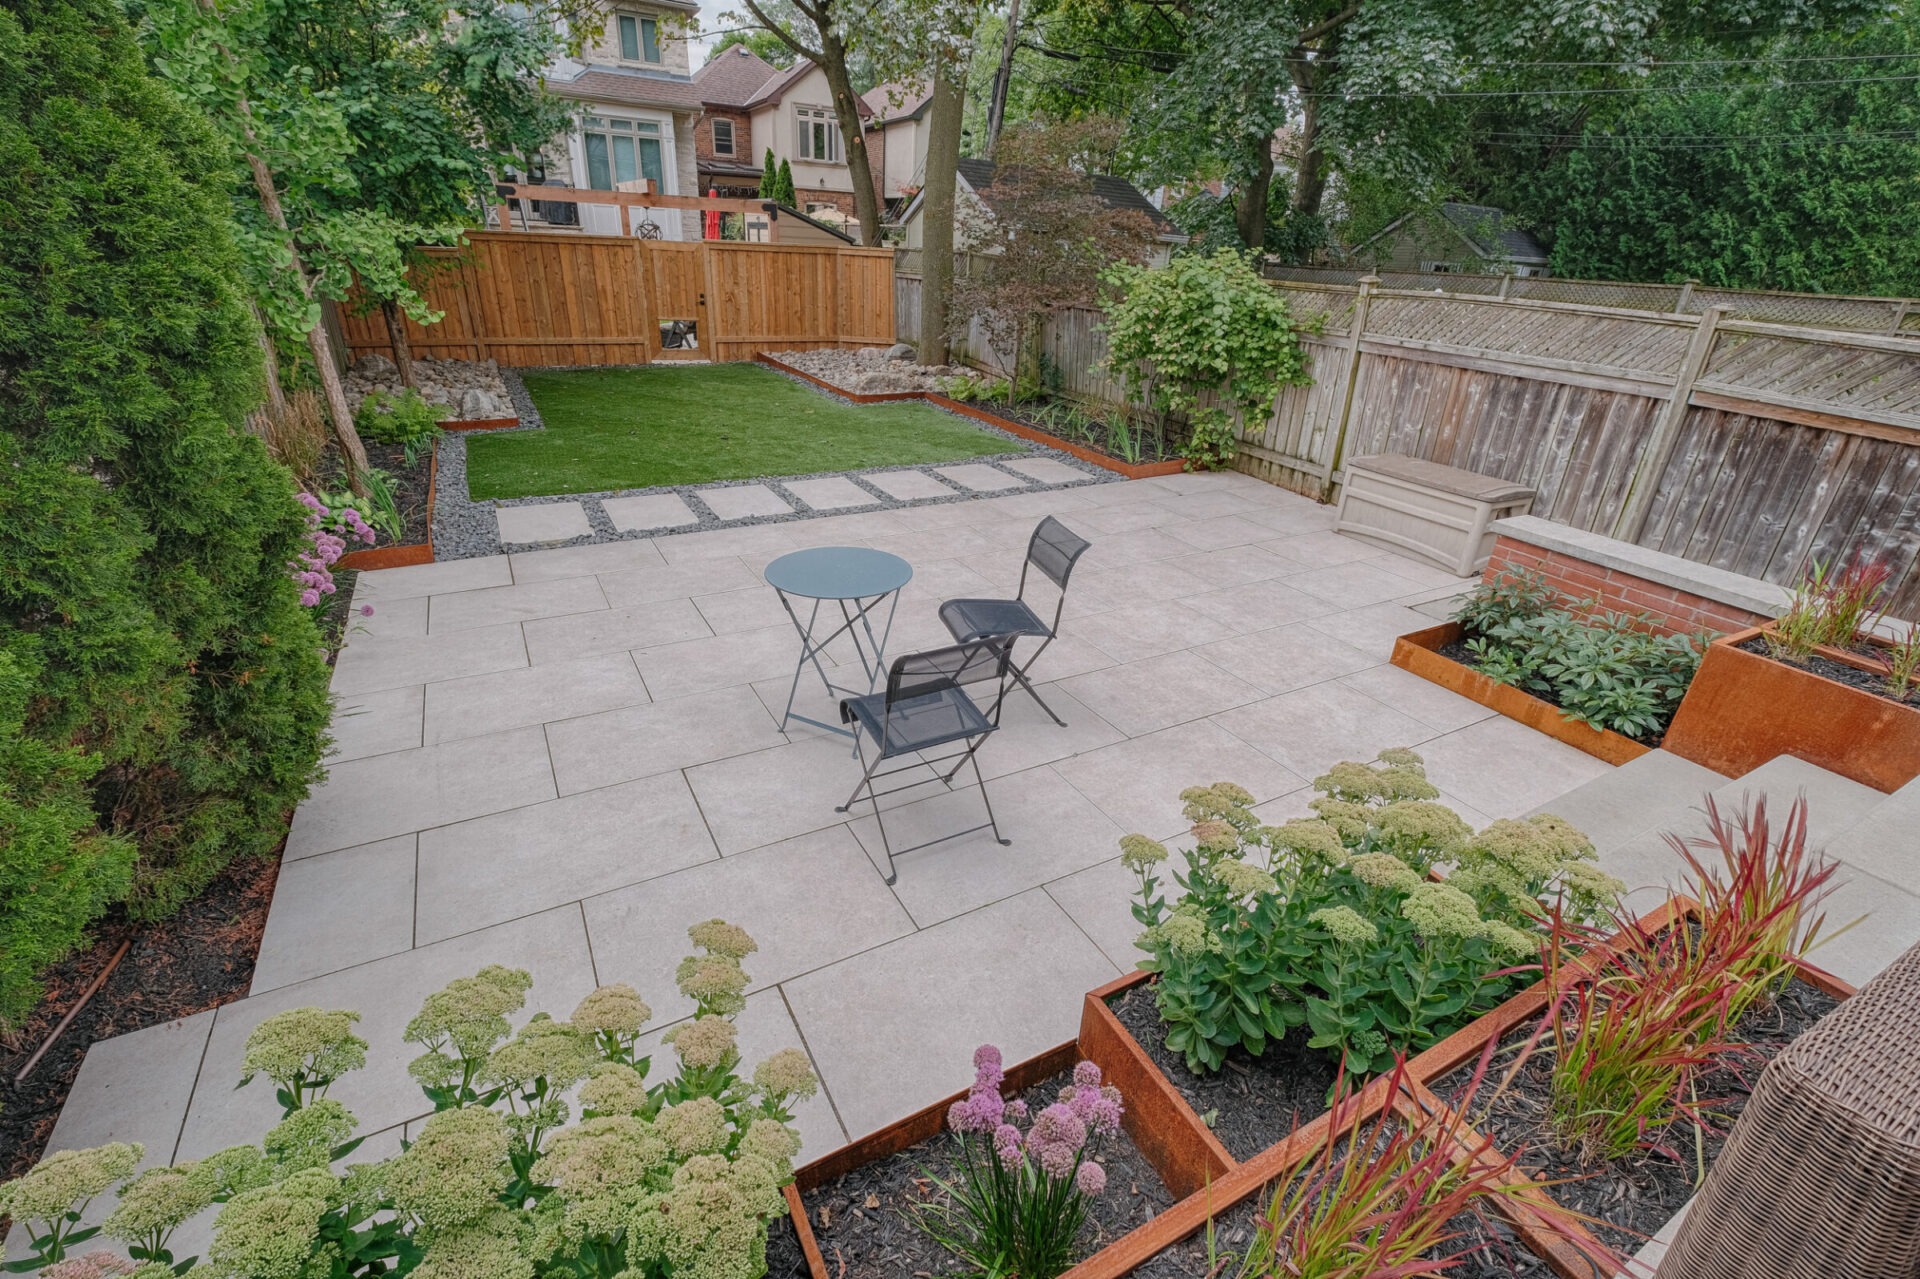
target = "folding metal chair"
x: 924, y: 707
x: 1054, y: 549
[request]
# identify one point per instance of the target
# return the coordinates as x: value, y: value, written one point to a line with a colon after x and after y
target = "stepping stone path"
x: 648, y: 511
x: 547, y: 522
x: 743, y: 501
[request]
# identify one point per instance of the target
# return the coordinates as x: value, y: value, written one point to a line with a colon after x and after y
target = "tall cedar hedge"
x: 162, y: 697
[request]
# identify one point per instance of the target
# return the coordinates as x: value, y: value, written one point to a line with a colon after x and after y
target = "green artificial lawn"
x: 640, y: 428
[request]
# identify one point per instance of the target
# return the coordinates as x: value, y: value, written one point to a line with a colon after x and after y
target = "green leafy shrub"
x: 1333, y: 922
x: 1204, y: 325
x: 1607, y: 670
x: 144, y: 537
x: 404, y: 419
x: 662, y: 1180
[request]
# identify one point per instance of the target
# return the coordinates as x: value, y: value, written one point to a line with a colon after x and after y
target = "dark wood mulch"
x: 1026, y: 413
x: 410, y: 485
x: 1251, y: 1102
x: 1628, y: 1200
x: 1458, y: 651
x: 200, y: 958
x: 1839, y: 672
x: 866, y: 1221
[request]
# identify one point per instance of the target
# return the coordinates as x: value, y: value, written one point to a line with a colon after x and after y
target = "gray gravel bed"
x: 465, y: 529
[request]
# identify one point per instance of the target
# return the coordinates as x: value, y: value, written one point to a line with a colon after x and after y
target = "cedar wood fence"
x: 531, y: 299
x: 1756, y: 447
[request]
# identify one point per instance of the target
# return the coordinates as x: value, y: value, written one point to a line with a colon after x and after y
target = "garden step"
x: 1835, y: 804
x: 1656, y: 792
x: 1886, y: 841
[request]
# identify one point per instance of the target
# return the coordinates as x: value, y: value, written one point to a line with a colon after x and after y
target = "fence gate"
x: 677, y: 291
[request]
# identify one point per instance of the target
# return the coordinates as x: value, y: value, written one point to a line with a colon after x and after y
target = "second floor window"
x: 723, y: 137
x: 819, y: 135
x: 622, y: 150
x: 639, y: 39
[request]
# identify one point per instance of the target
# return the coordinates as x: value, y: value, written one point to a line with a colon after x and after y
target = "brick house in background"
x: 748, y: 106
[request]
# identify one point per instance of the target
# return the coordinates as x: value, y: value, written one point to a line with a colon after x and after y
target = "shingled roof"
x: 1492, y: 236
x: 629, y: 88
x: 1115, y: 193
x: 733, y: 76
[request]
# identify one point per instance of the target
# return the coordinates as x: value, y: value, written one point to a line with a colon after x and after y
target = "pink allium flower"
x: 1091, y: 1179
x: 1055, y: 1161
x: 1017, y: 1111
x: 1086, y: 1075
x: 1007, y: 1143
x: 366, y: 610
x: 985, y: 1056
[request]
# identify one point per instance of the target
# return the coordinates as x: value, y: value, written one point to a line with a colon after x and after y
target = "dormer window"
x: 639, y: 38
x: 723, y: 137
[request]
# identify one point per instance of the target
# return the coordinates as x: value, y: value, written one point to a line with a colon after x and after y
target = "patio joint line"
x: 199, y: 1069
x: 806, y: 1047
x: 586, y: 934
x: 701, y: 809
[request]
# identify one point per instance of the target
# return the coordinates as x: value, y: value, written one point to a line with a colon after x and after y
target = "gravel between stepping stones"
x: 465, y: 529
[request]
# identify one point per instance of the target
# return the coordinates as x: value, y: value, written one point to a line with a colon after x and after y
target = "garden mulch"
x: 1026, y: 414
x: 865, y: 1221
x: 411, y: 481
x: 1251, y: 1102
x: 1827, y: 668
x: 198, y: 958
x: 1624, y: 1202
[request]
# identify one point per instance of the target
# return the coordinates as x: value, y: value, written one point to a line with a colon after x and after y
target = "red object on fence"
x: 713, y: 216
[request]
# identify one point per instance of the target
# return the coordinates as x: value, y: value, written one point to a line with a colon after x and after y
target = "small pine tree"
x: 786, y: 195
x: 770, y: 178
x: 162, y: 688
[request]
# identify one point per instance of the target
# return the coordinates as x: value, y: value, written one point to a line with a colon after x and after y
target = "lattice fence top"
x: 1628, y: 344
x: 1817, y: 310
x: 1838, y: 377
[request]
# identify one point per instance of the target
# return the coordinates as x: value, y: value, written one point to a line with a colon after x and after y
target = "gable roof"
x: 1115, y: 193
x: 912, y: 103
x: 776, y: 87
x: 628, y: 88
x: 732, y: 77
x: 1491, y: 235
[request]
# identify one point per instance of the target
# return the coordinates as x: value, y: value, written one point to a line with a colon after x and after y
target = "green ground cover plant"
x: 1334, y: 923
x: 668, y: 1179
x: 639, y: 428
x: 163, y: 698
x: 1608, y: 670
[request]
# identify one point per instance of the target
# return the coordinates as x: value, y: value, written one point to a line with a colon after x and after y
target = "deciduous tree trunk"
x: 1250, y: 213
x: 397, y: 334
x: 944, y: 120
x: 846, y: 106
x: 1002, y: 80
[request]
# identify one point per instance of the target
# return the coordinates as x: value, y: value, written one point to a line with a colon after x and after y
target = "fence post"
x: 1666, y: 428
x: 1506, y: 278
x: 1900, y: 315
x: 1350, y: 372
x: 1686, y: 296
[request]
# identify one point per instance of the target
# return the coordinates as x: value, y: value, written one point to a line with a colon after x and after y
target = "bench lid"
x: 1440, y: 477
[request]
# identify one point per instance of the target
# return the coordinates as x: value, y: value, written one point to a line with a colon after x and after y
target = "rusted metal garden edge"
x: 1743, y: 709
x: 1418, y: 652
x: 400, y: 556
x: 1132, y: 470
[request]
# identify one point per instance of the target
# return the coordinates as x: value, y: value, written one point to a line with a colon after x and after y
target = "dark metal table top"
x: 838, y: 573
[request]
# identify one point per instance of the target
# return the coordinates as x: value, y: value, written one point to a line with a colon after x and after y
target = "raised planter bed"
x: 481, y: 424
x: 1132, y: 470
x: 1419, y: 652
x: 404, y: 555
x: 1744, y: 708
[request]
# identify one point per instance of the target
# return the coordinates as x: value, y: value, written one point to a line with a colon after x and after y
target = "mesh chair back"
x: 1054, y: 550
x: 939, y: 669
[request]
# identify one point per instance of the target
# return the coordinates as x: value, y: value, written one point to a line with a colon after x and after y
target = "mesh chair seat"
x: 977, y: 619
x: 917, y: 724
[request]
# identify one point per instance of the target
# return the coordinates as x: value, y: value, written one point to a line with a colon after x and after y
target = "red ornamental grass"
x: 1380, y: 1200
x: 1852, y: 599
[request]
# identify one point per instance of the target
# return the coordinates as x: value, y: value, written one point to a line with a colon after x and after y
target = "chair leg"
x: 982, y: 783
x: 1020, y: 678
x: 866, y: 783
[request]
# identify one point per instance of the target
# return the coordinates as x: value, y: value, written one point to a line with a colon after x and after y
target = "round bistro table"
x: 858, y: 579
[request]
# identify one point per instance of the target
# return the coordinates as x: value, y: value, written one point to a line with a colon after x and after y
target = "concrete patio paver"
x: 833, y: 493
x: 579, y: 839
x: 1046, y: 470
x: 648, y: 511
x: 978, y: 477
x: 742, y: 501
x: 541, y: 522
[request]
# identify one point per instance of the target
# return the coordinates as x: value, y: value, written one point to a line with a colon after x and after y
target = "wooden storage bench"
x: 1440, y: 513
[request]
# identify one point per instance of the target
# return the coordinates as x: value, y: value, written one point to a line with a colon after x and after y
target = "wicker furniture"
x: 1439, y: 513
x: 1821, y: 1176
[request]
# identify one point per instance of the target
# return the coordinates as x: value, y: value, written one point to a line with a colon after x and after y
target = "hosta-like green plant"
x: 1334, y: 922
x: 674, y: 1179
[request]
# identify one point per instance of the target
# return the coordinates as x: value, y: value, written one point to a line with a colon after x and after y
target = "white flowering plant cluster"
x: 674, y: 1179
x: 1342, y: 923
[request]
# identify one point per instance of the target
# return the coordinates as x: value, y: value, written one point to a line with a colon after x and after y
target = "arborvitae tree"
x: 784, y: 184
x: 162, y: 690
x: 770, y: 178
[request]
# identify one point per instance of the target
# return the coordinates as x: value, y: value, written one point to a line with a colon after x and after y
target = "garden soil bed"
x: 1251, y: 1102
x: 199, y: 958
x: 1866, y: 681
x: 1625, y: 1202
x: 864, y: 1220
x: 413, y: 493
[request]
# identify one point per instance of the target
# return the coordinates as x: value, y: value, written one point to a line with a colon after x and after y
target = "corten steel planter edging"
x: 1743, y: 709
x: 376, y: 557
x: 1418, y: 652
x: 1132, y: 470
x: 1242, y: 1180
x: 1554, y: 1234
x: 481, y: 424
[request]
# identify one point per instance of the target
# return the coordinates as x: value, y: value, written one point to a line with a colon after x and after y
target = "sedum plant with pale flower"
x: 1335, y: 923
x: 673, y: 1178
